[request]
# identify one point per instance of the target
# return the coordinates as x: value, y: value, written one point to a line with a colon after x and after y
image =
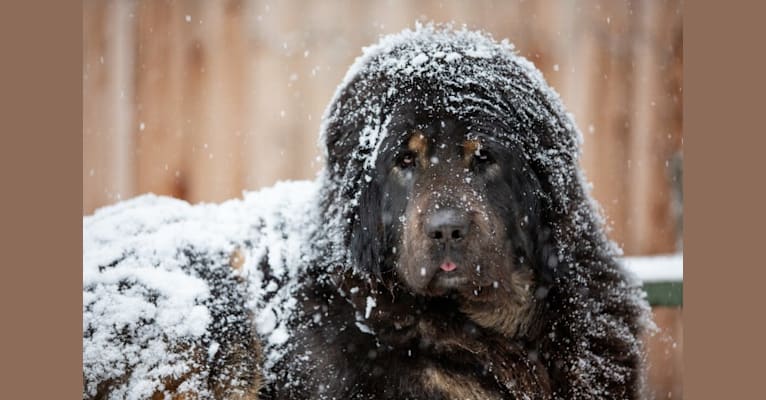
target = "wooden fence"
x: 203, y: 99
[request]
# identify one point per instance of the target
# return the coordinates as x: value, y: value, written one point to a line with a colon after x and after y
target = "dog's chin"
x: 444, y: 284
x: 437, y: 282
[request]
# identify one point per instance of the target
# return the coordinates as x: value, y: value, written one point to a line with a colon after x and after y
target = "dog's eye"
x: 482, y: 157
x: 407, y: 160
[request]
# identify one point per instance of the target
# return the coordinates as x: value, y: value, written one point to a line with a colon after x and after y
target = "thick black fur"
x: 580, y: 335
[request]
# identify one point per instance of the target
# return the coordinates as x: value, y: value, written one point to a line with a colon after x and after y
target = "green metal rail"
x: 662, y: 278
x: 669, y: 294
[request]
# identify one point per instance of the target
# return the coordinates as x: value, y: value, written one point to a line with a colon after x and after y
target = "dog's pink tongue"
x: 448, y: 266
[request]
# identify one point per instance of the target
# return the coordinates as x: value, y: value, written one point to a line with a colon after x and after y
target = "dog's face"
x: 458, y: 209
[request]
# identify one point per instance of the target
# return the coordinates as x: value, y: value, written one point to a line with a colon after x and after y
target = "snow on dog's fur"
x: 469, y: 260
x: 449, y: 249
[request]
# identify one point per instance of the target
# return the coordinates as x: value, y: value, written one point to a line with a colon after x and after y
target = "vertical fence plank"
x: 655, y: 138
x: 578, y: 81
x: 96, y: 144
x: 214, y: 101
x: 158, y: 126
x: 272, y: 138
x: 657, y: 129
x: 665, y: 355
x: 324, y: 46
x: 107, y: 89
x: 609, y: 111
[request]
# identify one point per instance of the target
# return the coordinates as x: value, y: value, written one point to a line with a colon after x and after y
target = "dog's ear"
x: 367, y: 238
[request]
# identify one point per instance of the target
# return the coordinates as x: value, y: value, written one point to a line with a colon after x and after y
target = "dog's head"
x: 452, y: 178
x: 451, y: 164
x: 458, y: 210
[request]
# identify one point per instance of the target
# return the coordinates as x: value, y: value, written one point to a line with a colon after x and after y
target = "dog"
x: 448, y: 250
x: 475, y: 264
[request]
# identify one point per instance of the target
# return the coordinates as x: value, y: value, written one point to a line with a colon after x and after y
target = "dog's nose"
x: 448, y: 225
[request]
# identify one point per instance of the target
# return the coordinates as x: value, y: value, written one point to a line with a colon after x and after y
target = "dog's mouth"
x: 451, y: 273
x: 446, y: 277
x: 448, y: 266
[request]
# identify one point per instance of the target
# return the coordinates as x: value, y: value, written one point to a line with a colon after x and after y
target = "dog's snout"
x: 447, y: 225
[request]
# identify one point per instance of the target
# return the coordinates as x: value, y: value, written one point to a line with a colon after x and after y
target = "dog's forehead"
x: 441, y: 135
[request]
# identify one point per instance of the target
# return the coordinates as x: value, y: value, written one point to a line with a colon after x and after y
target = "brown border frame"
x: 724, y: 141
x: 41, y: 85
x: 41, y: 208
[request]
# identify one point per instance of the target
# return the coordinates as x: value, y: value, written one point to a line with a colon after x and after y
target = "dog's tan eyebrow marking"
x: 470, y: 147
x: 418, y: 144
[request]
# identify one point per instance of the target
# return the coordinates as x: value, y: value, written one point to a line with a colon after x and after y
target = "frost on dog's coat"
x: 448, y: 250
x: 170, y: 292
x: 473, y: 263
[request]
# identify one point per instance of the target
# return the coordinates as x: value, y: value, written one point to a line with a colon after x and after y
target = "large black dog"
x: 476, y: 264
x: 449, y: 250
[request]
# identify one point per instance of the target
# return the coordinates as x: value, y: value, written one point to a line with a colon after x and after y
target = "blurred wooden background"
x: 203, y: 99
